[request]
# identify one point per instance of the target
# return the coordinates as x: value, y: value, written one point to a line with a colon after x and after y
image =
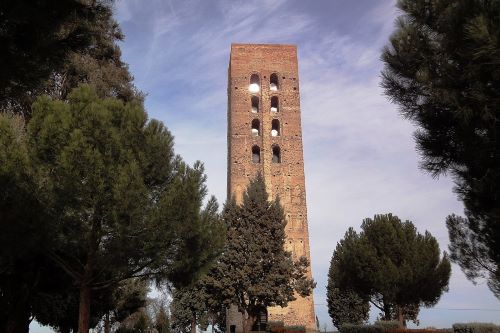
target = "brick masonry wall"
x: 285, y: 179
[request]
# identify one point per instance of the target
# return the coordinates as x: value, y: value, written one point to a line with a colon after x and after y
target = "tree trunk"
x: 107, y: 327
x: 401, y: 320
x: 387, y: 311
x: 248, y: 323
x: 84, y: 310
x: 193, y: 324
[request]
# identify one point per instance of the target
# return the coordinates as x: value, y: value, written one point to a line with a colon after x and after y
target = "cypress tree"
x: 254, y: 271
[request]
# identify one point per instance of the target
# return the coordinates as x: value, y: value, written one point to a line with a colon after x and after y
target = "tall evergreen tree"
x: 390, y: 265
x: 442, y: 67
x: 254, y: 271
x: 122, y: 204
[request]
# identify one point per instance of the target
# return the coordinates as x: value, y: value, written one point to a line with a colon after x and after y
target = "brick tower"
x: 264, y: 134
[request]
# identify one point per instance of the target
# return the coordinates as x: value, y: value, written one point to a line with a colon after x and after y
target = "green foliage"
x: 255, y: 271
x: 476, y: 328
x: 82, y: 50
x: 121, y: 203
x: 295, y: 328
x: 52, y: 47
x: 188, y: 308
x: 346, y: 306
x: 128, y: 298
x: 442, y: 68
x: 390, y: 264
x: 24, y: 224
x: 351, y: 328
x: 387, y: 324
x: 37, y: 38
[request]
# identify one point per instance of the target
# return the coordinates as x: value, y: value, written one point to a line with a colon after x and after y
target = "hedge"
x: 387, y: 324
x: 351, y: 328
x: 476, y: 328
x: 295, y: 328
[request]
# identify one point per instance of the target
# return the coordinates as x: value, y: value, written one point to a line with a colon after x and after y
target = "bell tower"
x: 264, y: 134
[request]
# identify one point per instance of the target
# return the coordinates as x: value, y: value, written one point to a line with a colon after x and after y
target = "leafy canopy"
x: 121, y: 203
x: 389, y: 264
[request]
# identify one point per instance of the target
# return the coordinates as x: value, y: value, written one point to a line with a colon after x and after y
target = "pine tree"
x: 121, y: 204
x: 442, y: 67
x: 254, y: 271
x: 389, y: 264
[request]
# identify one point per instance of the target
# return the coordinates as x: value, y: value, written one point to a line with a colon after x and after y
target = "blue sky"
x: 360, y: 157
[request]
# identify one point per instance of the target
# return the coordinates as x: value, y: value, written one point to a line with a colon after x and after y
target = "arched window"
x: 276, y: 154
x: 255, y: 127
x: 273, y: 82
x: 254, y: 83
x: 255, y: 104
x: 274, y: 104
x: 275, y: 131
x: 255, y: 154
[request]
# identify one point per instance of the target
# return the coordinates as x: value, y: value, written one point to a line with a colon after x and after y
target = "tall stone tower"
x: 264, y: 134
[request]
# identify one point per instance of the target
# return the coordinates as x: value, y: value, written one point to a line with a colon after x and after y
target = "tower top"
x: 264, y: 57
x: 262, y: 45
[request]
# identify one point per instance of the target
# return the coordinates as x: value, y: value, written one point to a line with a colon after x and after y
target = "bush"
x: 275, y: 327
x: 426, y: 330
x: 476, y: 328
x: 350, y: 328
x: 295, y: 329
x: 387, y: 324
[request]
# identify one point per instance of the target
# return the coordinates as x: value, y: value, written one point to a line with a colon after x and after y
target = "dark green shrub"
x: 295, y: 328
x: 476, y: 328
x: 350, y: 328
x: 387, y: 324
x: 425, y: 330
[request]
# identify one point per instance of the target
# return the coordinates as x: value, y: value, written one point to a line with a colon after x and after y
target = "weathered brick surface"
x: 285, y: 179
